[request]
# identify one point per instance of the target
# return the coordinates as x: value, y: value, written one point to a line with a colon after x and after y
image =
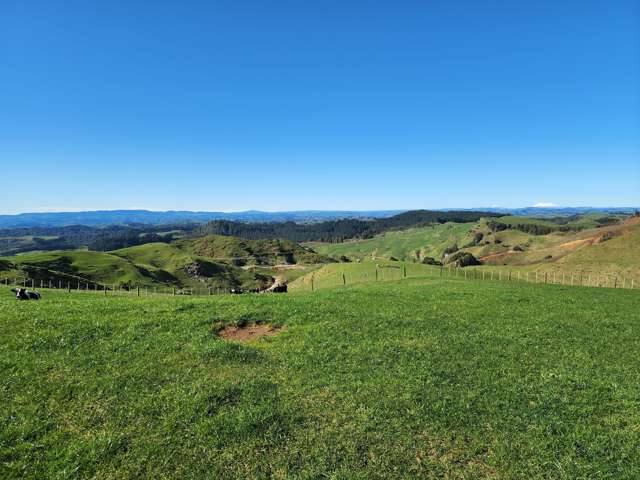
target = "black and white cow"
x: 23, y: 294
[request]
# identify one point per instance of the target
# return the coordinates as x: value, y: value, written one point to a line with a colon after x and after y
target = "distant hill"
x: 559, y: 211
x: 147, y: 217
x: 112, y: 237
x: 340, y: 230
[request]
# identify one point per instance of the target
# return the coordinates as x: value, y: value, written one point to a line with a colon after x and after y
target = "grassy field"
x: 414, y: 243
x: 419, y: 378
x: 338, y: 274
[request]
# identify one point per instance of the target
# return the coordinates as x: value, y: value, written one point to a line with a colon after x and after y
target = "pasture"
x: 429, y: 241
x: 416, y: 378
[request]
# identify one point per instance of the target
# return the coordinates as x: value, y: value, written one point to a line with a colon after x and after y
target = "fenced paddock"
x: 347, y: 274
x: 343, y: 274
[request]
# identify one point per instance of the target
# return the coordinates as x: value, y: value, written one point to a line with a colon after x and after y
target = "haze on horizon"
x: 222, y: 106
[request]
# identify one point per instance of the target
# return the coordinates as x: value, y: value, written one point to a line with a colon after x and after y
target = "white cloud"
x: 545, y: 205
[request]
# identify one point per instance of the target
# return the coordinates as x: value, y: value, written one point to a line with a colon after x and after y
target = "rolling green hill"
x: 211, y: 261
x: 421, y: 378
x: 242, y: 252
x: 611, y: 247
x: 412, y: 244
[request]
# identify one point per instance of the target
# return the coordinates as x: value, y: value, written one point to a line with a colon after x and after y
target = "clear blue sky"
x: 290, y: 105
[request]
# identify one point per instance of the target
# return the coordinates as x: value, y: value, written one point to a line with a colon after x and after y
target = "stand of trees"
x: 532, y: 228
x: 338, y: 230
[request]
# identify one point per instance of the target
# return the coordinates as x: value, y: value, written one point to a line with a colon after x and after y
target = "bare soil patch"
x: 248, y: 333
x: 574, y: 245
x: 499, y: 256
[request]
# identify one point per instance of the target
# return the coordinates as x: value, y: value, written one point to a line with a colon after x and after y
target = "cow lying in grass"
x: 23, y: 294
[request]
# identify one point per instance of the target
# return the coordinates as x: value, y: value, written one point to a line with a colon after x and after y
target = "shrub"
x: 464, y: 259
x: 430, y: 261
x: 477, y: 238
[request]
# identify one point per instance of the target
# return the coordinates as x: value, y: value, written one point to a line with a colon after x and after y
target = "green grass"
x: 77, y: 265
x: 429, y: 241
x: 421, y: 378
x: 338, y: 274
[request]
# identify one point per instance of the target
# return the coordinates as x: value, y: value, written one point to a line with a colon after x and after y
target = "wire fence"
x: 114, y: 289
x: 386, y: 273
x: 362, y: 274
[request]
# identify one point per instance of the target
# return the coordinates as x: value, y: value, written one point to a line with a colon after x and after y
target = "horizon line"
x: 149, y: 210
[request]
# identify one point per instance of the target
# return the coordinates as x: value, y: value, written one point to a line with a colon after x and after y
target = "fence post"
x: 344, y: 279
x: 312, y: 283
x: 405, y: 271
x: 68, y: 287
x: 376, y: 273
x: 545, y: 277
x: 138, y: 289
x: 615, y: 284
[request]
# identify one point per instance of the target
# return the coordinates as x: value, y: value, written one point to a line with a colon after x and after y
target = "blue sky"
x: 291, y: 105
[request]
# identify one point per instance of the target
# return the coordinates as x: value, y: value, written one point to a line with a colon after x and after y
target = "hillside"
x: 423, y: 378
x: 413, y: 244
x: 343, y: 229
x: 105, y: 238
x: 242, y: 252
x: 591, y: 243
x: 211, y: 262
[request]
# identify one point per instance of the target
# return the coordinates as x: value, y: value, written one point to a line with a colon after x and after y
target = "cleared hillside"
x: 612, y: 247
x: 205, y: 262
x: 411, y: 244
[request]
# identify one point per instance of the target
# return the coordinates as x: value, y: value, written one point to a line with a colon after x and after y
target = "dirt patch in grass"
x: 499, y: 256
x: 248, y: 333
x: 574, y: 245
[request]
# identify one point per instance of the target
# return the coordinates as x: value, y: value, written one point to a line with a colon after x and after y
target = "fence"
x: 114, y: 289
x: 363, y: 274
x: 377, y: 273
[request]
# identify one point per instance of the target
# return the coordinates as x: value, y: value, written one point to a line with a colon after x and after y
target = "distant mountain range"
x: 147, y: 217
x: 551, y: 211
